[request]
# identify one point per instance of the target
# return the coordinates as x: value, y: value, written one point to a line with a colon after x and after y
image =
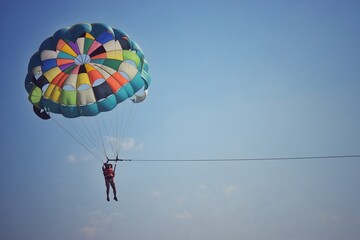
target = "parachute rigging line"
x: 128, y: 124
x: 100, y: 132
x: 86, y: 134
x: 76, y: 139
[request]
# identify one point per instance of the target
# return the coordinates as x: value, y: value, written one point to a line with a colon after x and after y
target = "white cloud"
x: 181, y: 199
x: 127, y: 144
x: 99, y: 218
x: 202, y: 187
x: 72, y: 158
x: 183, y: 215
x: 117, y: 216
x: 229, y: 190
x: 89, y: 231
x: 328, y: 217
x: 155, y: 193
x: 101, y: 222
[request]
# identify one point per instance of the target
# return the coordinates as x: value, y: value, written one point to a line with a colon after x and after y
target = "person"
x: 109, y: 175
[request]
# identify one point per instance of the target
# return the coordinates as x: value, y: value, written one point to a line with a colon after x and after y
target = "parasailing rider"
x: 109, y: 174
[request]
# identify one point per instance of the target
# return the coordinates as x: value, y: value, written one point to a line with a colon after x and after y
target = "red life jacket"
x: 108, y: 172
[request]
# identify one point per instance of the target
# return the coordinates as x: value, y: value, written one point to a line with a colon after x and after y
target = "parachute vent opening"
x: 82, y: 59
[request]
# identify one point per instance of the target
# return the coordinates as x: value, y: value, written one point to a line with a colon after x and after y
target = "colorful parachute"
x: 84, y: 70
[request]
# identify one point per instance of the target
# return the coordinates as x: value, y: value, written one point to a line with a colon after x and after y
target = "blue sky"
x: 231, y: 79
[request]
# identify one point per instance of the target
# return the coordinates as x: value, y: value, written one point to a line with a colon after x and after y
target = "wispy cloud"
x: 89, y: 231
x: 100, y: 218
x: 155, y: 193
x: 328, y: 217
x: 226, y: 190
x: 181, y: 199
x: 72, y: 158
x: 100, y: 222
x: 202, y: 187
x: 229, y: 190
x: 217, y: 200
x: 183, y: 215
x: 127, y: 144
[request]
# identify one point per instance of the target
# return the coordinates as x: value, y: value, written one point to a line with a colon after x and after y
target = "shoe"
x: 108, y: 199
x: 115, y: 198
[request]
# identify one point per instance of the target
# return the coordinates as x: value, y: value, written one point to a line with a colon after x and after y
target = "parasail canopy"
x: 84, y: 70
